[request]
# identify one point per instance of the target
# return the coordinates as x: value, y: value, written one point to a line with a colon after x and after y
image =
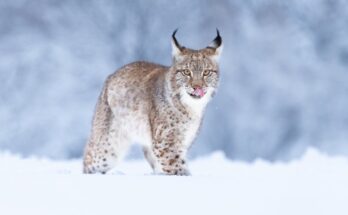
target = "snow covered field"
x: 315, y: 184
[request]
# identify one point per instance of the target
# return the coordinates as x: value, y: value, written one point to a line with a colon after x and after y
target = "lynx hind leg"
x: 150, y: 157
x: 100, y: 158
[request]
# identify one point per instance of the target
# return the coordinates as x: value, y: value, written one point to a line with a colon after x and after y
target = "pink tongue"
x: 199, y: 92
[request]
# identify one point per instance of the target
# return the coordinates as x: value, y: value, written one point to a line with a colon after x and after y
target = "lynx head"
x: 195, y: 73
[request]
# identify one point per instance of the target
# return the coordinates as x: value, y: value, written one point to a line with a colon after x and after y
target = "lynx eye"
x: 186, y: 72
x: 207, y: 72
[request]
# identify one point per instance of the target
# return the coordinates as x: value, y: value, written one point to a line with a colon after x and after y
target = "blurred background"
x: 284, y: 84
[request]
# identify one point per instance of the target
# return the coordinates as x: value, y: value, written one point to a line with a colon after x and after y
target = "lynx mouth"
x: 195, y: 96
x: 197, y: 93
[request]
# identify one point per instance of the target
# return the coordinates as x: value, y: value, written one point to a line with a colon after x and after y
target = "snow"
x: 315, y: 184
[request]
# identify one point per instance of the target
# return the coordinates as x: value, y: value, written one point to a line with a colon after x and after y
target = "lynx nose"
x: 197, y: 87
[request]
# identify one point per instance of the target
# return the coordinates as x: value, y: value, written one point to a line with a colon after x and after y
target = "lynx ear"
x: 217, y: 46
x: 176, y: 47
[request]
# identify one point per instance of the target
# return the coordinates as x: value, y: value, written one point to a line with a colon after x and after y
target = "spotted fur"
x: 153, y: 105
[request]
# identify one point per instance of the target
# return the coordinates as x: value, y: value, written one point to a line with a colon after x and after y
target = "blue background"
x: 284, y: 84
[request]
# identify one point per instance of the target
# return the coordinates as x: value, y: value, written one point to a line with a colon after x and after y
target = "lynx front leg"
x: 170, y: 159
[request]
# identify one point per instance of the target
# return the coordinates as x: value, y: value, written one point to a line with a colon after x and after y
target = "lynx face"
x: 196, y: 72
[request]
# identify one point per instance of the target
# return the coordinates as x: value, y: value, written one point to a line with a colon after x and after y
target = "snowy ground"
x: 315, y: 184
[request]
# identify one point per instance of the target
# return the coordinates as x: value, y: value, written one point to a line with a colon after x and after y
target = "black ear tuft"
x: 174, y: 39
x: 216, y: 43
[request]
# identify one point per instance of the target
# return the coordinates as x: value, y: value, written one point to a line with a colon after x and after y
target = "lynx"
x: 157, y: 106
